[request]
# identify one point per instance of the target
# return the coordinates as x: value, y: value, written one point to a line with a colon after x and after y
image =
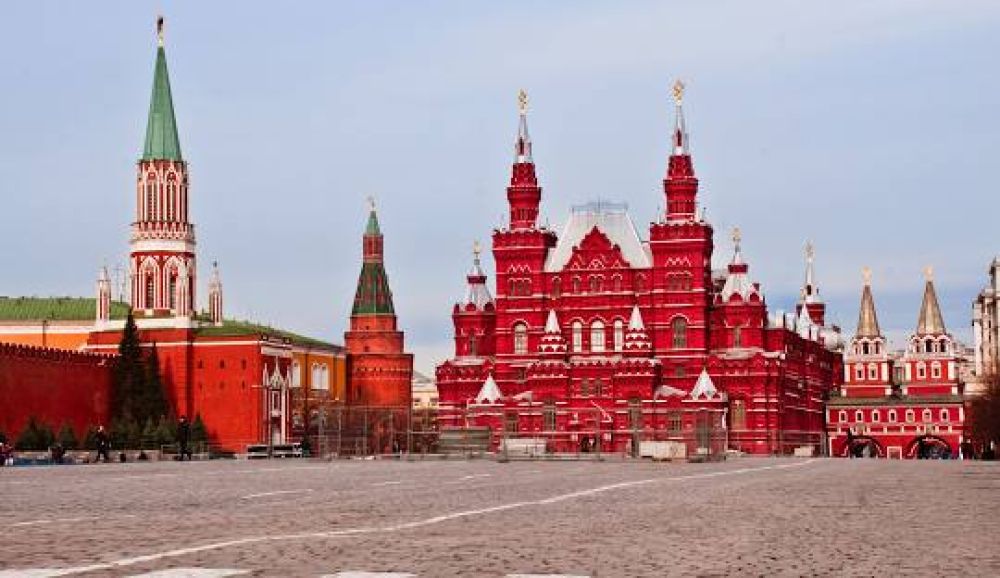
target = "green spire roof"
x: 161, y: 129
x: 372, y: 228
x: 373, y: 296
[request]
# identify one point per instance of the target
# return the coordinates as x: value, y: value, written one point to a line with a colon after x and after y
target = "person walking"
x: 850, y: 443
x: 103, y: 444
x: 183, y: 437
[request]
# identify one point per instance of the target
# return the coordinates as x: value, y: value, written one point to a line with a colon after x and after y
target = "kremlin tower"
x: 379, y: 372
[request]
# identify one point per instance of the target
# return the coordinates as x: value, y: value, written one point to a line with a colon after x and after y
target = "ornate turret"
x: 475, y: 316
x: 637, y: 340
x: 103, y: 296
x: 809, y: 296
x: 680, y: 184
x: 215, y: 296
x: 162, y: 268
x: 738, y: 284
x: 523, y: 194
x: 552, y: 342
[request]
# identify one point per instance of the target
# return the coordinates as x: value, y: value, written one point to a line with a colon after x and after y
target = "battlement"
x: 58, y: 355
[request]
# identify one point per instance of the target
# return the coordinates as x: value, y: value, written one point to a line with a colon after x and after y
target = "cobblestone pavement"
x: 481, y: 518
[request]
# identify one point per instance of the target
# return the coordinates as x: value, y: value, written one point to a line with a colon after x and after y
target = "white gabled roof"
x: 552, y: 323
x: 613, y: 220
x: 635, y: 321
x: 667, y: 391
x: 704, y: 387
x: 490, y: 392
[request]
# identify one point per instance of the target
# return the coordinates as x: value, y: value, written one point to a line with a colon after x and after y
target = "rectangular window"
x: 549, y: 417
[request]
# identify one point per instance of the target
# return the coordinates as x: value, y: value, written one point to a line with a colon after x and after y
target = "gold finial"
x: 810, y: 251
x: 522, y: 102
x: 929, y: 273
x: 159, y: 30
x: 737, y: 235
x: 476, y: 249
x: 678, y: 91
x: 866, y: 273
x: 371, y: 202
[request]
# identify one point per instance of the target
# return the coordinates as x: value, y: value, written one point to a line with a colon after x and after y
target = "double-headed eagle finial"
x: 678, y: 91
x: 159, y: 30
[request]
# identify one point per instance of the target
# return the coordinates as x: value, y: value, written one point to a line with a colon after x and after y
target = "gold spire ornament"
x: 159, y: 30
x: 737, y: 236
x: 476, y: 249
x: 929, y: 273
x: 371, y: 202
x: 522, y: 102
x: 678, y: 91
x: 866, y: 273
x: 810, y: 251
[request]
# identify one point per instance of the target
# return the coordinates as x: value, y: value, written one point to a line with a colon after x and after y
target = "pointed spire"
x: 552, y: 323
x: 737, y: 254
x: 522, y: 146
x: 635, y: 321
x: 103, y: 295
x: 477, y: 294
x: 867, y: 316
x: 930, y: 321
x: 680, y: 184
x: 680, y: 131
x: 373, y: 296
x: 215, y: 295
x: 162, y: 142
x: 810, y: 292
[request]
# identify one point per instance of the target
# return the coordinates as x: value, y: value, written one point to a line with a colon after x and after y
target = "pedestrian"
x: 850, y: 443
x: 103, y: 444
x: 183, y: 437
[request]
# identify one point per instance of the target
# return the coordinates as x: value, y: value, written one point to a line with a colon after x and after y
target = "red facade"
x: 595, y: 323
x: 56, y: 387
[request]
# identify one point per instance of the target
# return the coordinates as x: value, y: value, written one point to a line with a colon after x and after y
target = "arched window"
x: 928, y: 346
x: 921, y: 371
x: 926, y: 416
x: 936, y: 370
x: 864, y: 348
x: 859, y: 372
x: 324, y: 378
x: 577, y: 336
x: 556, y: 288
x: 616, y: 283
x: 597, y: 336
x: 576, y: 284
x: 945, y: 415
x: 679, y: 328
x: 892, y: 416
x: 473, y: 345
x: 520, y: 339
x: 872, y: 371
x: 150, y: 290
x: 738, y: 414
x: 619, y: 338
x: 172, y: 290
x: 738, y: 336
x: 944, y: 346
x: 910, y: 416
x: 595, y: 284
x: 296, y: 374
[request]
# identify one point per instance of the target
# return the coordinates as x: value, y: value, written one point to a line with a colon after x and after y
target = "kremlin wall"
x: 595, y: 334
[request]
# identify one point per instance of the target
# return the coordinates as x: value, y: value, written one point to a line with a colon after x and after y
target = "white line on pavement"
x: 62, y: 520
x: 277, y: 493
x: 469, y: 477
x: 408, y: 525
x: 192, y: 573
x: 391, y: 483
x: 354, y: 574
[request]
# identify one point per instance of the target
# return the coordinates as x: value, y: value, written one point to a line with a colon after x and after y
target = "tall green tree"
x: 137, y: 394
x: 154, y: 403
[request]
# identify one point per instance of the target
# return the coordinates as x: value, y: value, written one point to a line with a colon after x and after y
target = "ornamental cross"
x: 678, y: 91
x: 476, y: 249
x: 810, y: 251
x: 522, y: 101
x: 737, y: 235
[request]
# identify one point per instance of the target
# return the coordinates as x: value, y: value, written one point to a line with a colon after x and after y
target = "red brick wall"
x: 55, y: 386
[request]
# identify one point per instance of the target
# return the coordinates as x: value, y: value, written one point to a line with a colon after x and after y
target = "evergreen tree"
x: 67, y: 437
x: 28, y: 439
x: 90, y: 439
x: 198, y: 432
x: 129, y: 375
x: 166, y: 431
x: 149, y: 436
x: 155, y: 399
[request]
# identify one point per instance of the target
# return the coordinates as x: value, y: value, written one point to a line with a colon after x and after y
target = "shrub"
x: 67, y: 437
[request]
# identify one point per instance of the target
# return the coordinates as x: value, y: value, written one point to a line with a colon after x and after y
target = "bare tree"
x: 983, y: 424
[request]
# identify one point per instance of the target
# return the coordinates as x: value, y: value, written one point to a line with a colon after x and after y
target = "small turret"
x: 215, y: 296
x: 930, y: 321
x: 680, y: 184
x: 523, y: 194
x: 637, y: 342
x: 552, y: 343
x: 103, y: 296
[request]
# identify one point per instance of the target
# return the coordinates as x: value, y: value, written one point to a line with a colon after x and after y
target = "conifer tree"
x: 129, y: 374
x: 155, y: 400
x: 67, y: 437
x: 198, y: 432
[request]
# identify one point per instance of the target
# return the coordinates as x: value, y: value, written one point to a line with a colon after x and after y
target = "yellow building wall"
x: 56, y: 337
x: 335, y: 362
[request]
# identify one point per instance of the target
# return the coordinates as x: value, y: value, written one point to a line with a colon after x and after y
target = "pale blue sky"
x: 869, y: 127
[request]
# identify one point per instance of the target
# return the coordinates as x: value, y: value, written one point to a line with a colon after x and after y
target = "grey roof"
x: 613, y: 220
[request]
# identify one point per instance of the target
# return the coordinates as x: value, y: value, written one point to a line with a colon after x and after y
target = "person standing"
x: 183, y: 438
x: 850, y: 443
x: 103, y: 444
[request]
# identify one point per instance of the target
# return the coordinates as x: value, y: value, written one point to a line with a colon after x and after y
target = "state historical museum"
x: 598, y: 334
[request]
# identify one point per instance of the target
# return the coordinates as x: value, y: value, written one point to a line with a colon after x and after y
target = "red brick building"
x: 895, y: 404
x: 379, y: 371
x: 596, y: 329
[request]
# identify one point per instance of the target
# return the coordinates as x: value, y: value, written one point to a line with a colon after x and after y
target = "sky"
x: 868, y: 127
